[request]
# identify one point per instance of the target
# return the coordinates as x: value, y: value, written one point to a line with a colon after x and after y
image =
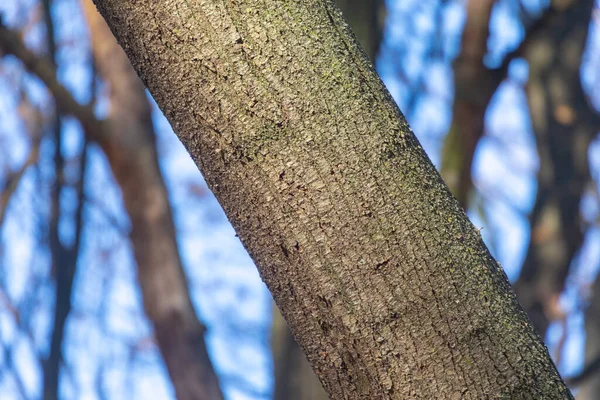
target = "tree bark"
x: 130, y: 145
x: 294, y: 378
x: 385, y: 283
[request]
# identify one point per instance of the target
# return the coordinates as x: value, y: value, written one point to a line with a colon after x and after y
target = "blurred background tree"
x: 113, y: 250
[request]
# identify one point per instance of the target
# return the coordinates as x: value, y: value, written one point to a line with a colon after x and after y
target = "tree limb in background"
x: 33, y: 120
x: 12, y: 181
x: 294, y: 378
x: 588, y: 380
x: 42, y: 67
x: 474, y: 86
x: 64, y: 265
x: 473, y: 89
x: 131, y: 151
x: 564, y: 125
x: 179, y: 333
x: 367, y: 20
x: 64, y: 258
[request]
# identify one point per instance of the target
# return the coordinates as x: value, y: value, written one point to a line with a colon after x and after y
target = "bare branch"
x: 11, y: 43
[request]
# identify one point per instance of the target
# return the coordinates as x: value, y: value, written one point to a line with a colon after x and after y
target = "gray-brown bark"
x: 130, y: 146
x: 294, y: 378
x: 385, y: 283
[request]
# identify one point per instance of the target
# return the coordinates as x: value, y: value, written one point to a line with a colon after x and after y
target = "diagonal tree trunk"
x: 387, y: 286
x: 294, y: 378
x: 131, y: 150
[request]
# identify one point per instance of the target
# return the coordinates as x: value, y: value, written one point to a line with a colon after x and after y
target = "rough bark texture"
x: 294, y: 378
x: 129, y: 144
x: 383, y: 280
x: 564, y: 125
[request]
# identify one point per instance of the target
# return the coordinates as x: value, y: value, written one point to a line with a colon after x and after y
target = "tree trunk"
x: 385, y: 283
x: 130, y: 147
x: 294, y: 378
